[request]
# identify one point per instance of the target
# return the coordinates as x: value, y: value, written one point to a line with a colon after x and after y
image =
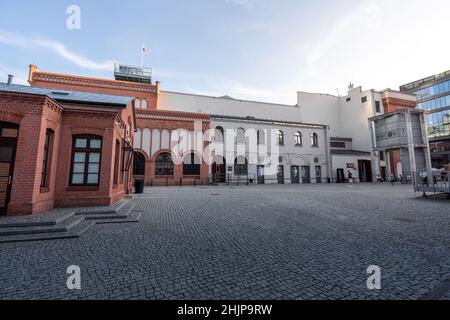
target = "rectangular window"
x: 382, y: 157
x: 377, y: 107
x: 363, y: 99
x: 46, y: 159
x: 337, y: 145
x: 86, y: 158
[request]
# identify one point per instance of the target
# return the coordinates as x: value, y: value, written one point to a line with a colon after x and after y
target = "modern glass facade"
x: 439, y: 124
x: 433, y: 96
x: 434, y: 104
x: 434, y: 90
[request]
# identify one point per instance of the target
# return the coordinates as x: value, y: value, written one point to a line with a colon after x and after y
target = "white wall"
x: 292, y: 155
x: 320, y: 108
x: 347, y: 119
x: 341, y: 161
x: 227, y: 107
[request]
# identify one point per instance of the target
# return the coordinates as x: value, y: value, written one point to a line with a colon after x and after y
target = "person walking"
x: 350, y: 176
x: 392, y: 179
x: 424, y: 175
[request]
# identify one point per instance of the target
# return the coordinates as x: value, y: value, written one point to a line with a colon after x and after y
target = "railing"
x: 171, y: 182
x: 439, y: 183
x: 230, y: 179
x: 126, y: 70
x: 418, y: 83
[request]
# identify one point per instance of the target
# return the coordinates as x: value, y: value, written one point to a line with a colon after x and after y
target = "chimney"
x: 10, y: 79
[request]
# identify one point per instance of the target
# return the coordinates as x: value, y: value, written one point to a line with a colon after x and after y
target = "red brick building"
x: 63, y: 148
x: 68, y: 141
x: 157, y: 165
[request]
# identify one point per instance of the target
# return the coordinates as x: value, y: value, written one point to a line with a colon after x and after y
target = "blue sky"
x: 250, y: 49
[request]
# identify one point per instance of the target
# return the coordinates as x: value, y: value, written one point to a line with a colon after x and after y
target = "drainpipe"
x: 375, y: 166
x: 328, y: 153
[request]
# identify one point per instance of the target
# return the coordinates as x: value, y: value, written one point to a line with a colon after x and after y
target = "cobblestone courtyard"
x: 265, y: 242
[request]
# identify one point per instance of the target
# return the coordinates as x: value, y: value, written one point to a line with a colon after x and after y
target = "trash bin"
x: 139, y: 186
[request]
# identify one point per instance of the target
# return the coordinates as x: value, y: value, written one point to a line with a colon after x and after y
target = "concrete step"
x: 65, y: 225
x: 122, y: 213
x: 50, y: 218
x: 133, y: 217
x: 75, y: 232
x: 102, y: 210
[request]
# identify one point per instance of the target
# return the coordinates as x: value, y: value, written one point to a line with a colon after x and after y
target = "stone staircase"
x: 65, y: 223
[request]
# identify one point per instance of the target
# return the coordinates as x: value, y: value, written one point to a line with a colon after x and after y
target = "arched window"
x: 137, y: 103
x: 164, y: 165
x: 241, y: 166
x: 261, y: 137
x: 298, y: 139
x: 280, y: 136
x: 314, y: 140
x: 191, y: 165
x: 240, y: 135
x: 139, y: 164
x: 86, y: 159
x: 219, y: 134
x: 144, y: 104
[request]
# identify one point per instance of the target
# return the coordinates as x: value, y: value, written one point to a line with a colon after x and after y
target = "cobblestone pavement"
x: 264, y: 242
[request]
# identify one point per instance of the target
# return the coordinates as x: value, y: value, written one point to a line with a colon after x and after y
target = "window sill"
x: 83, y: 188
x: 298, y: 145
x: 45, y: 189
x: 314, y: 146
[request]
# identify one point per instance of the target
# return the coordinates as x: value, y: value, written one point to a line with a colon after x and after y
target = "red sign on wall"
x: 350, y: 166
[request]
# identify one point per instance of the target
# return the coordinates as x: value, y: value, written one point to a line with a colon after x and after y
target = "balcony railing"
x: 123, y: 72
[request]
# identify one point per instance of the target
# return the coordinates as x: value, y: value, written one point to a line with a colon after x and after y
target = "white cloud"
x: 378, y: 44
x: 57, y: 48
x: 20, y: 77
x: 242, y: 3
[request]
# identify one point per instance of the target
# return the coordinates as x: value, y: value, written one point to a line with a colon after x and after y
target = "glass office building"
x: 433, y: 96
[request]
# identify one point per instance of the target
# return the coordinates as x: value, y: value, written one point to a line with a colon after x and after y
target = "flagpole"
x: 142, y: 56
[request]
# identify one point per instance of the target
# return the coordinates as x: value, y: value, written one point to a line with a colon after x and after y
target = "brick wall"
x: 171, y: 120
x: 95, y: 85
x: 395, y: 104
x: 36, y: 114
x: 33, y: 113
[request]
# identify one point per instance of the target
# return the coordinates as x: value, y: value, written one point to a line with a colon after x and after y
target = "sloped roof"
x: 70, y: 96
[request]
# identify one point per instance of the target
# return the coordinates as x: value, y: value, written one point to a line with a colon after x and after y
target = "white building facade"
x: 351, y: 138
x: 269, y: 152
x: 258, y: 142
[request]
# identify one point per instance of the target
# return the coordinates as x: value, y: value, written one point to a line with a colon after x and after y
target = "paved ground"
x: 266, y: 242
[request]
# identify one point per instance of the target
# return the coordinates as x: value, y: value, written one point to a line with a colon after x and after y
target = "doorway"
x: 318, y: 174
x: 306, y: 174
x: 383, y: 173
x: 8, y: 142
x: 260, y: 174
x: 365, y: 171
x: 295, y: 175
x: 218, y: 170
x: 280, y: 175
x: 139, y: 164
x: 340, y: 176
